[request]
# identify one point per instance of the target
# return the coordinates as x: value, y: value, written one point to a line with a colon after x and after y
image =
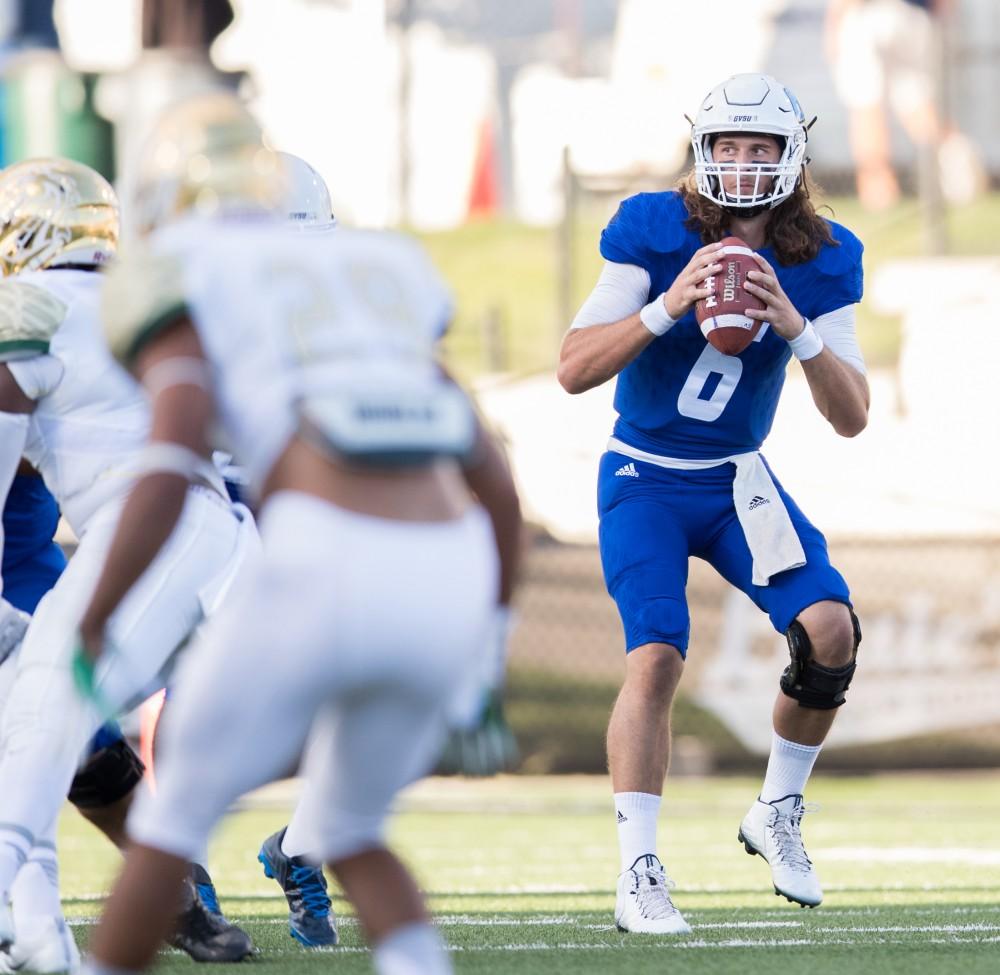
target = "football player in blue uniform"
x: 683, y: 475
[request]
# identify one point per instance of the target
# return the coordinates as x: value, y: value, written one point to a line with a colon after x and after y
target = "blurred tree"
x: 46, y: 108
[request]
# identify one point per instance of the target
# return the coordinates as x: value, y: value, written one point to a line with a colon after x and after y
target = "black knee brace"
x: 810, y: 683
x: 109, y: 775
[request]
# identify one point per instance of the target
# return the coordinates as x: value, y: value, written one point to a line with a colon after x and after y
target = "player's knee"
x: 820, y: 682
x: 654, y: 670
x: 831, y: 629
x: 109, y: 775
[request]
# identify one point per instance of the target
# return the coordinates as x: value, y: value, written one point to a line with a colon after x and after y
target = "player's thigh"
x: 644, y: 546
x: 363, y: 751
x: 789, y: 592
x: 7, y: 670
x: 341, y: 606
x: 164, y: 607
x: 241, y: 708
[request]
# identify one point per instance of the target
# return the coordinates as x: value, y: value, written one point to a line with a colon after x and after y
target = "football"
x: 722, y: 314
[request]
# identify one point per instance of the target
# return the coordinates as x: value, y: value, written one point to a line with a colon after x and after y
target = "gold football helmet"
x: 55, y: 212
x: 206, y: 156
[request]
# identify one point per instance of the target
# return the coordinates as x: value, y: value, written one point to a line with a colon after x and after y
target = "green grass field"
x: 521, y: 874
x: 507, y: 273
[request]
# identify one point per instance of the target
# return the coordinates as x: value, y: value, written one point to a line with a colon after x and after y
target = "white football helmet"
x: 309, y: 206
x: 749, y: 103
x: 207, y: 156
x: 55, y: 212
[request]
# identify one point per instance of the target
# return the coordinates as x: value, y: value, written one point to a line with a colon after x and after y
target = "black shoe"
x: 204, y: 935
x: 310, y: 915
x: 206, y: 889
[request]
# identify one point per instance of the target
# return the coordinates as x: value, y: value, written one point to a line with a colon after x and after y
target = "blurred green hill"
x: 505, y: 277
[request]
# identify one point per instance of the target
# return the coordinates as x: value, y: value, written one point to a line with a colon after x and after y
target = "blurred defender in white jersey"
x: 362, y: 628
x: 483, y: 747
x: 83, y: 422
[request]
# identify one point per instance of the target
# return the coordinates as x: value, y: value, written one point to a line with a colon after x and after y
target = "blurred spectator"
x: 27, y: 23
x: 174, y: 64
x: 884, y: 55
x: 184, y: 23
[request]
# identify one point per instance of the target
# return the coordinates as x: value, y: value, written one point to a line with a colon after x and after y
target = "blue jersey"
x: 32, y: 561
x: 681, y: 397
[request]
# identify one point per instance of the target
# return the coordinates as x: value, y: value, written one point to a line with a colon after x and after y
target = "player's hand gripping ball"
x: 722, y: 314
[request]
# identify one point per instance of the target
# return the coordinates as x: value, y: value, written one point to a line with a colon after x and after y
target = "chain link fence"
x: 927, y: 691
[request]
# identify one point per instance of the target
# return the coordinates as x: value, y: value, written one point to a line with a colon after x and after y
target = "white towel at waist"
x: 771, y: 537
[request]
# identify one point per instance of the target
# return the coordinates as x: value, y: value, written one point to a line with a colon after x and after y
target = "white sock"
x: 293, y: 843
x: 201, y: 856
x: 14, y: 851
x: 788, y: 768
x: 413, y: 949
x: 637, y: 813
x: 35, y: 892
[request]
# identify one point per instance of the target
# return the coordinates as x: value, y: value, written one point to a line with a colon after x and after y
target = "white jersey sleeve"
x: 37, y: 376
x: 29, y: 317
x: 839, y: 335
x: 621, y: 290
x: 141, y: 294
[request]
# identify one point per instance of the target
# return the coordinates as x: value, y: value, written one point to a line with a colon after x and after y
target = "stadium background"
x: 504, y: 134
x: 524, y: 181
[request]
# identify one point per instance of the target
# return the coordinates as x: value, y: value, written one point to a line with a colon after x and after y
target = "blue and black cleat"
x: 310, y: 914
x: 206, y: 889
x: 201, y: 930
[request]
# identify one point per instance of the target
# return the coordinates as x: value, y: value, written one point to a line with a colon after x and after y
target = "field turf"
x: 521, y: 873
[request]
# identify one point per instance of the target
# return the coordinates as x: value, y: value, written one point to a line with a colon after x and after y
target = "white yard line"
x: 665, y: 944
x: 852, y: 935
x: 967, y: 856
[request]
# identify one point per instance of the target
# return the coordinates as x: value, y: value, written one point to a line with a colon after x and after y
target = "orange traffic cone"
x: 484, y: 191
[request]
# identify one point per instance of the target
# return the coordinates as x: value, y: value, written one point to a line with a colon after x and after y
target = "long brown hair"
x: 795, y: 231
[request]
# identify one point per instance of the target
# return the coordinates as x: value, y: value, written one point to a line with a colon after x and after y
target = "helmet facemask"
x: 749, y: 105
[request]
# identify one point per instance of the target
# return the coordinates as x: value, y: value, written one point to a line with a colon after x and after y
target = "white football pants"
x: 46, y: 724
x: 349, y: 643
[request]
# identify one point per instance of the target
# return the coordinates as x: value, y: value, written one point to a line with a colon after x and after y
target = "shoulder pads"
x: 29, y: 317
x: 834, y: 260
x: 646, y: 223
x: 142, y: 294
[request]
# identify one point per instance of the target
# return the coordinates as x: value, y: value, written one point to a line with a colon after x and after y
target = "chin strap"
x: 747, y: 212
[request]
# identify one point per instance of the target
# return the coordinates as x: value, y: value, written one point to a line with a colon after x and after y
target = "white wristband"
x: 164, y: 457
x: 656, y: 317
x: 807, y: 344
